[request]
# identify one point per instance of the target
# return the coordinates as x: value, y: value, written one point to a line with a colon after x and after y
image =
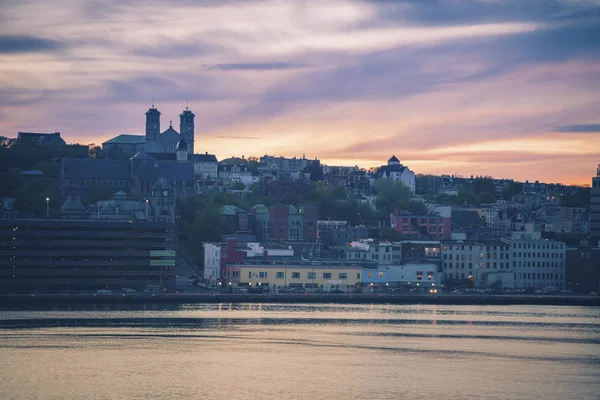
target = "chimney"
x: 266, y: 255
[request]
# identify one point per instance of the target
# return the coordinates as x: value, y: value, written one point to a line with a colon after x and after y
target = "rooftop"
x: 127, y: 139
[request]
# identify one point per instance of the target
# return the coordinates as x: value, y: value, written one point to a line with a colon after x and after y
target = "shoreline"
x: 444, y: 299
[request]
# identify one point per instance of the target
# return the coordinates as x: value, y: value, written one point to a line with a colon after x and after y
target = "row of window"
x: 488, y: 256
x: 432, y: 229
x: 539, y: 255
x: 457, y: 247
x: 539, y: 246
x: 540, y: 275
x: 494, y: 265
x: 541, y: 264
x: 423, y: 221
x: 296, y: 275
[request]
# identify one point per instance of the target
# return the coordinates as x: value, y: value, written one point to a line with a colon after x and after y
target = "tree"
x: 11, y: 181
x: 579, y: 199
x: 31, y: 198
x: 512, y: 189
x: 238, y: 185
x: 6, y: 142
x: 484, y: 185
x: 392, y: 195
x: 95, y: 151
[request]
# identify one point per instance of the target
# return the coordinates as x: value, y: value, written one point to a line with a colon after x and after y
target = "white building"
x: 370, y: 250
x: 462, y: 260
x: 538, y: 263
x: 205, y: 166
x: 255, y: 249
x: 415, y: 275
x: 212, y: 261
x: 396, y: 172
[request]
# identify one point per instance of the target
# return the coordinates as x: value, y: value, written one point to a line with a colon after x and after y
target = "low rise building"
x: 305, y: 276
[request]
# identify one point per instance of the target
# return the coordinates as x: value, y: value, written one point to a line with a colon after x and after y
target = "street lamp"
x: 48, y: 207
x: 147, y: 201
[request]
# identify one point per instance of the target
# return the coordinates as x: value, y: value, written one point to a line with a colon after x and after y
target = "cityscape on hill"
x: 117, y: 211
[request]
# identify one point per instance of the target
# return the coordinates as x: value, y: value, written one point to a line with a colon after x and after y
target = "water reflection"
x: 302, y: 351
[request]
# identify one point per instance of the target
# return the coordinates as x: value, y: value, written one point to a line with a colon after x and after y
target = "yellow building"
x: 305, y: 276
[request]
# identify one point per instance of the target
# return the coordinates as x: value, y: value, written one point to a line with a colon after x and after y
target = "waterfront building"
x: 583, y: 269
x: 64, y: 255
x: 475, y: 263
x: 538, y: 263
x: 212, y: 261
x: 417, y: 251
x: 307, y: 276
x: 595, y: 209
x: 419, y: 277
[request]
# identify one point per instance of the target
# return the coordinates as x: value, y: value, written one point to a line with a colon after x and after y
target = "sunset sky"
x: 503, y: 88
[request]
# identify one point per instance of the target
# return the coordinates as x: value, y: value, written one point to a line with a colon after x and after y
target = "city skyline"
x: 476, y: 88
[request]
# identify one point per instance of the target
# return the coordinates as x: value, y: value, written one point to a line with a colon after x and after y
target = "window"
x: 358, y: 275
x: 380, y: 274
x: 326, y: 275
x: 422, y: 221
x: 343, y: 275
x: 249, y: 274
x: 312, y: 275
x: 262, y: 274
x: 295, y: 275
x: 279, y: 275
x: 369, y: 274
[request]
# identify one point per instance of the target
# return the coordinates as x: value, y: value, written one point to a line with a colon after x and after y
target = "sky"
x: 507, y: 88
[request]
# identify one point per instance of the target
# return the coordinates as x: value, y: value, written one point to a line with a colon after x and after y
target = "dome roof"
x: 181, y: 145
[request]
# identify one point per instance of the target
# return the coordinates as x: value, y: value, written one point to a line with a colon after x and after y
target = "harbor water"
x: 300, y: 351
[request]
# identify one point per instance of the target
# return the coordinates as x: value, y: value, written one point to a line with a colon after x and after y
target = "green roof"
x: 127, y: 139
x: 230, y: 210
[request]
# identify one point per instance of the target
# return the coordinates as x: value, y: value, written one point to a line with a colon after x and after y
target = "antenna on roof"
x: 152, y: 102
x: 186, y: 105
x: 170, y: 124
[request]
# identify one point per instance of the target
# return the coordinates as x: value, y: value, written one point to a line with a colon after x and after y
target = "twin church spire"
x: 154, y: 136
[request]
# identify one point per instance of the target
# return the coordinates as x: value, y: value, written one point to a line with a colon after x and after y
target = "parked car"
x: 104, y: 291
x: 128, y: 290
x: 593, y: 294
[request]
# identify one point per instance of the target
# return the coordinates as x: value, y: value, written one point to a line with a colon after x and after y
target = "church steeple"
x: 186, y: 128
x: 152, y: 124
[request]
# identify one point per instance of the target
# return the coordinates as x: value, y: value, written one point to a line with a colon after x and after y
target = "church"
x: 133, y: 164
x: 125, y: 146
